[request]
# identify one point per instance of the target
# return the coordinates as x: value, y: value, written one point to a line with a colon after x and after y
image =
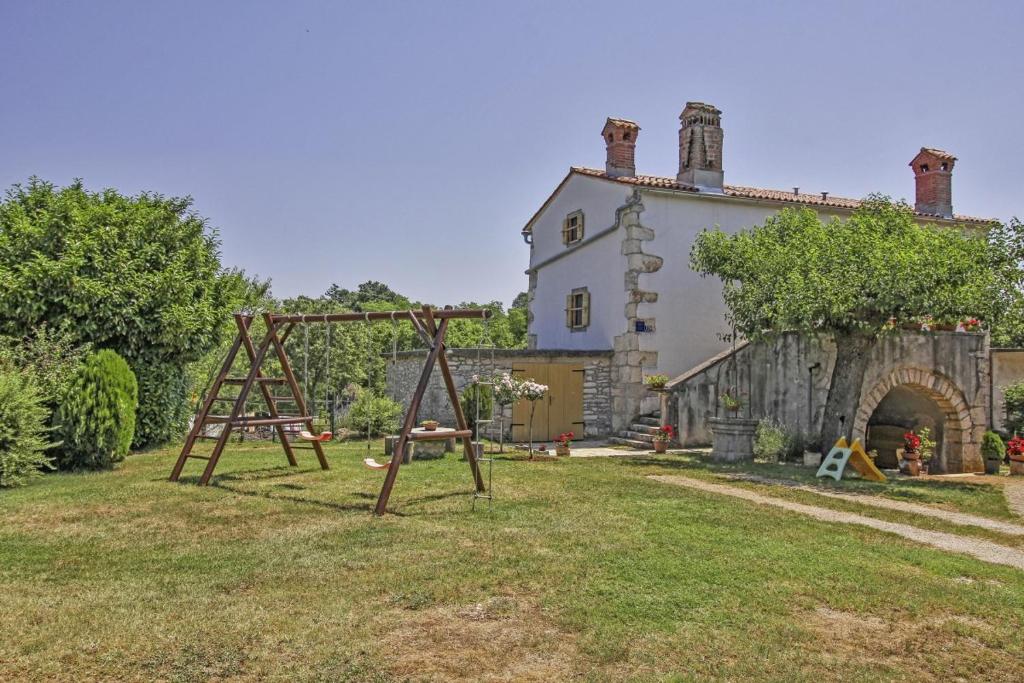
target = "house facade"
x: 609, y: 253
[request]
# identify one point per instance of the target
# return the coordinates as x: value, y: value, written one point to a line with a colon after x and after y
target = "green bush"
x: 49, y: 357
x: 1013, y: 408
x: 474, y: 396
x: 993, y: 450
x: 378, y: 412
x: 22, y: 428
x: 769, y: 440
x: 163, y: 410
x: 97, y: 416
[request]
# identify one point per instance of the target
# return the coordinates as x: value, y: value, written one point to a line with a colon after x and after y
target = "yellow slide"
x: 863, y: 463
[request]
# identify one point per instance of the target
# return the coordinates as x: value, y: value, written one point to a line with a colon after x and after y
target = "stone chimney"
x: 933, y: 175
x: 620, y: 141
x: 700, y: 146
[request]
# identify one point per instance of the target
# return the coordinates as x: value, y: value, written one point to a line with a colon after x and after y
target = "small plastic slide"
x: 835, y: 462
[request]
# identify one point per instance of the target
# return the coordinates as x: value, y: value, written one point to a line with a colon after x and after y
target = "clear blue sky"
x: 409, y: 142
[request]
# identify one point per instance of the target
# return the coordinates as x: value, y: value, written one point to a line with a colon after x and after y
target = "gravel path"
x: 1014, y: 492
x: 960, y: 518
x: 983, y: 550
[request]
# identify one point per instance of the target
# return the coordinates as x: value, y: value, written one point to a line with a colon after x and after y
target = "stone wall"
x: 403, y: 375
x: 787, y: 379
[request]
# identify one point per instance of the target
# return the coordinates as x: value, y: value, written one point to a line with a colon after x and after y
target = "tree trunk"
x: 853, y: 352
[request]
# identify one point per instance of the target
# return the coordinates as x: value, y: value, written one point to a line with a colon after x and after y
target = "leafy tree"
x: 522, y: 301
x: 370, y: 292
x: 137, y: 274
x: 850, y: 279
x: 97, y: 416
x: 49, y: 357
x: 1006, y: 241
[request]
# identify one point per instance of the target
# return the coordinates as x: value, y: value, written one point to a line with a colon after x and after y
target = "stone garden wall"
x: 787, y: 379
x: 403, y: 375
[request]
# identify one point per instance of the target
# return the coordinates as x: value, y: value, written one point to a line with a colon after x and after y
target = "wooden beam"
x: 410, y: 421
x: 453, y: 396
x: 293, y: 384
x: 448, y: 313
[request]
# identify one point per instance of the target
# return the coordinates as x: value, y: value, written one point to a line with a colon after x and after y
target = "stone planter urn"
x: 732, y: 438
x: 1017, y: 465
x: 912, y: 463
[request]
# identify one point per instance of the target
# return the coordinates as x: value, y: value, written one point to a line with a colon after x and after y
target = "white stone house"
x: 609, y: 253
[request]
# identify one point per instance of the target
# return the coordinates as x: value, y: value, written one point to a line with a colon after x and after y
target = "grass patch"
x: 583, y: 569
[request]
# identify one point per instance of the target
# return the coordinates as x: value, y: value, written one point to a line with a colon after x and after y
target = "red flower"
x: 911, y: 442
x: 1015, y: 446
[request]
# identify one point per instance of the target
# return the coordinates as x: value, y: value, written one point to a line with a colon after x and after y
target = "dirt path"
x: 983, y: 550
x: 1014, y: 492
x: 960, y: 518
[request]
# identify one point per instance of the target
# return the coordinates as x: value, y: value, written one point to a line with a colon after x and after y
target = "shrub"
x: 992, y: 447
x: 51, y: 358
x: 1013, y: 408
x: 769, y: 440
x: 22, y: 428
x: 474, y: 396
x: 97, y: 416
x: 378, y: 413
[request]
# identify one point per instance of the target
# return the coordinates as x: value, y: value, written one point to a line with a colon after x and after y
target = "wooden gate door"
x: 559, y: 412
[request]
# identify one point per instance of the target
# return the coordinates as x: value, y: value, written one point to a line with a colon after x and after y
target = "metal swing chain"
x: 305, y: 363
x: 327, y: 375
x: 369, y: 361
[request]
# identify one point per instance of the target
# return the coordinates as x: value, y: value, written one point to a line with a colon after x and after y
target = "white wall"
x: 596, y: 264
x: 689, y: 313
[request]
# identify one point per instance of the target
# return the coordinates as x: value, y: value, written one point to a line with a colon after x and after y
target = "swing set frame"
x: 430, y: 324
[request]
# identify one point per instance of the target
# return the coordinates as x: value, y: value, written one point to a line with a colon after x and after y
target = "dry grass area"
x: 584, y: 570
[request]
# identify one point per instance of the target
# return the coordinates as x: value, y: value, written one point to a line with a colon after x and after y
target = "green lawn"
x: 584, y: 569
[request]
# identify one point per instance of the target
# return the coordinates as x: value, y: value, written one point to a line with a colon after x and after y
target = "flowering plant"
x: 665, y: 434
x: 532, y: 391
x: 564, y: 440
x: 656, y: 381
x: 911, y: 442
x: 730, y: 402
x: 506, y: 388
x: 971, y: 324
x: 1015, y: 446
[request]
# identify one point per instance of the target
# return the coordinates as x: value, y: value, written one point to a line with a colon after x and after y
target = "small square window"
x: 572, y: 228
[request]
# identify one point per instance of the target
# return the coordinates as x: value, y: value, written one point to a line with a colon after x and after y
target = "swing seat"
x: 374, y: 465
x: 306, y: 435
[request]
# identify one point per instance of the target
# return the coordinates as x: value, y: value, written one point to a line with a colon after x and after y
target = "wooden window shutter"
x: 585, y: 317
x: 579, y: 227
x: 568, y: 311
x: 565, y: 230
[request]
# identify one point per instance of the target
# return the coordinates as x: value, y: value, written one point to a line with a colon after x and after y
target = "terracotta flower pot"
x: 660, y: 446
x: 913, y: 467
x: 1017, y: 465
x: 430, y: 425
x: 562, y: 451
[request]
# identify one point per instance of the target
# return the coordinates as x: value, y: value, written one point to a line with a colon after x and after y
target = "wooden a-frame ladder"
x: 237, y: 418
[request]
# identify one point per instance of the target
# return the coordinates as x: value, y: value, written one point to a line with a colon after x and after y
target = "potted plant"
x: 1015, y: 452
x: 430, y: 425
x: 532, y: 392
x: 912, y: 453
x: 662, y: 439
x: 970, y: 324
x: 731, y: 403
x: 564, y: 441
x: 993, y: 450
x: 656, y: 382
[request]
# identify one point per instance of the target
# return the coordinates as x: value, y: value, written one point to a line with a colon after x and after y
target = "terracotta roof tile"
x: 831, y: 201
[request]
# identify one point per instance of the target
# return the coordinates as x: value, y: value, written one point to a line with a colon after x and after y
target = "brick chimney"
x: 933, y: 174
x: 620, y: 141
x: 700, y: 146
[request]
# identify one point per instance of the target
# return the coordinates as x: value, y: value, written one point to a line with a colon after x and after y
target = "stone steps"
x: 637, y: 436
x: 620, y: 441
x: 649, y: 420
x: 643, y: 428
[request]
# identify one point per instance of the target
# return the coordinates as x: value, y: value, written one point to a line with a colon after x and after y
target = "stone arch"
x: 960, y: 447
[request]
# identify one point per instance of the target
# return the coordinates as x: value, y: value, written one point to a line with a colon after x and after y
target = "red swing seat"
x: 306, y: 435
